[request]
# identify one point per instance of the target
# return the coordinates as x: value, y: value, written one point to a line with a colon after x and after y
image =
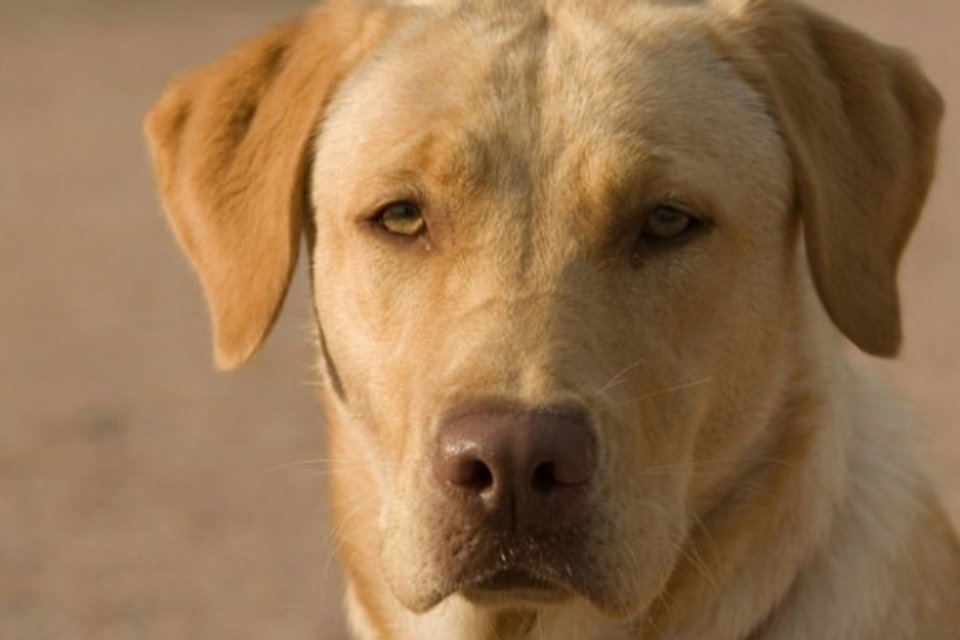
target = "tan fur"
x: 751, y: 485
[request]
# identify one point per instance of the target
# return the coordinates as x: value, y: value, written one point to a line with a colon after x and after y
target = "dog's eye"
x: 402, y: 219
x: 667, y: 223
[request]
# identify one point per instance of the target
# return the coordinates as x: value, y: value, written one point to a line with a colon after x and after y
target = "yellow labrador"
x: 581, y: 270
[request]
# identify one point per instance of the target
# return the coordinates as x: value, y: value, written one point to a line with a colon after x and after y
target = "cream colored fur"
x: 752, y: 486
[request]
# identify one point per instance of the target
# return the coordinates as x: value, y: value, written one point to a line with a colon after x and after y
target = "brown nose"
x: 524, y: 467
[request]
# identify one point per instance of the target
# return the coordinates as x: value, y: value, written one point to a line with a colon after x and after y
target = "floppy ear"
x: 230, y: 144
x: 861, y: 122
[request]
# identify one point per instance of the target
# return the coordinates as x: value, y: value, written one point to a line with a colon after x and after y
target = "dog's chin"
x: 536, y: 570
x: 510, y: 587
x: 524, y: 588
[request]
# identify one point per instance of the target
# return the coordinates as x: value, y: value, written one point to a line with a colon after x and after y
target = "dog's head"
x: 557, y: 259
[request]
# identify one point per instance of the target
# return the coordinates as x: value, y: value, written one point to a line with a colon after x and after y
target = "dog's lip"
x: 500, y: 568
x: 514, y: 584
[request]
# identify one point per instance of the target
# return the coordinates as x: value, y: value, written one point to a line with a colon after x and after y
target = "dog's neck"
x: 820, y: 538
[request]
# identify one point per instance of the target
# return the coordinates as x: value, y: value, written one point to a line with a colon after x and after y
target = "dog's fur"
x: 750, y: 484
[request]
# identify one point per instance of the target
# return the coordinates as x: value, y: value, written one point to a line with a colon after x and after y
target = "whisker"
x: 658, y: 392
x: 693, y: 464
x: 331, y: 540
x: 616, y: 379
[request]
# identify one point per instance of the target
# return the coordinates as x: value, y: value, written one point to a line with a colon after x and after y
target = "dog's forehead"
x: 493, y: 91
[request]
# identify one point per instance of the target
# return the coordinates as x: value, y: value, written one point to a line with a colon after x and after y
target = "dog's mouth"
x: 518, y: 569
x: 504, y: 570
x: 514, y: 585
x: 530, y: 572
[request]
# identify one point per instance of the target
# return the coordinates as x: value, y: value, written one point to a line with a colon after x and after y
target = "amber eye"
x: 667, y: 223
x: 402, y: 219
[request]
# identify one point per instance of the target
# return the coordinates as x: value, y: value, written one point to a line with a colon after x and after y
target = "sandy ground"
x: 143, y: 495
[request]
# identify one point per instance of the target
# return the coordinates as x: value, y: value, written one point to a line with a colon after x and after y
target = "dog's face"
x: 605, y: 236
x: 556, y: 264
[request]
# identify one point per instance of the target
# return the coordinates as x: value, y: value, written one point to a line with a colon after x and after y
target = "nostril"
x: 544, y: 478
x: 550, y: 476
x: 464, y: 471
x: 476, y: 477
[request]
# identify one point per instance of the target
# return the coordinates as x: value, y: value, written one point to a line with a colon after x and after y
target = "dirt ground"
x: 143, y: 495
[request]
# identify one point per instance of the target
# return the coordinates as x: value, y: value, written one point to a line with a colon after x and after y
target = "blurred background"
x: 143, y: 495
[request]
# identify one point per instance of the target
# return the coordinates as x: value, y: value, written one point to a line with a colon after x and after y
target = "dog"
x: 583, y: 271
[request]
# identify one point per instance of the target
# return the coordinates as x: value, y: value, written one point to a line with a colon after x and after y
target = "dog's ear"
x: 230, y: 144
x: 861, y: 122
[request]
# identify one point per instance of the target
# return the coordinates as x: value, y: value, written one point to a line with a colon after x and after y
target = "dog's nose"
x: 525, y: 467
